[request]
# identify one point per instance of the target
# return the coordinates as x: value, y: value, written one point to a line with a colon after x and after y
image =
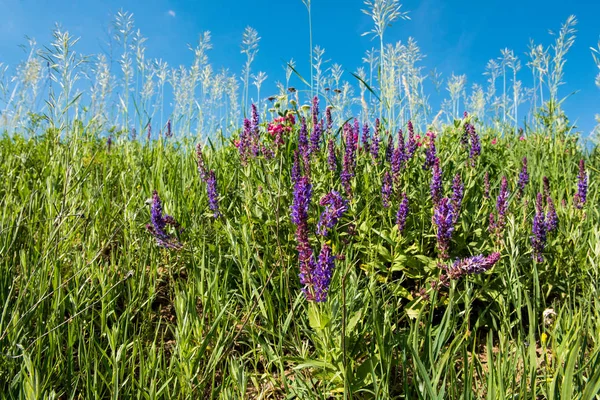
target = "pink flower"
x: 522, y: 138
x: 494, y: 141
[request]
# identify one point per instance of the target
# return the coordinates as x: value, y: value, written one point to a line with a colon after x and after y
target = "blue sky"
x: 455, y: 36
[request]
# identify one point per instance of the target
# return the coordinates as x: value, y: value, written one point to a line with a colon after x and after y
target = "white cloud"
x: 171, y: 13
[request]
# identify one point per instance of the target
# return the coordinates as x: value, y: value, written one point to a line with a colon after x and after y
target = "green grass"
x: 93, y: 308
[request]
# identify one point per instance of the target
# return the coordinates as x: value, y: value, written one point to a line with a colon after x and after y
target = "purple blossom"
x: 411, y: 145
x: 582, y: 186
x: 244, y: 144
x: 546, y: 187
x: 475, y: 145
x: 200, y: 162
x: 376, y: 140
x: 349, y: 161
x: 322, y: 274
x: 109, y: 143
x: 443, y: 217
x: 523, y: 178
x: 386, y: 189
x: 336, y: 206
x: 315, y: 138
x: 402, y: 213
x: 436, y: 182
x: 538, y: 239
x: 213, y: 195
x: 158, y: 225
x: 389, y: 149
x: 255, y: 133
x: 299, y: 217
x: 472, y: 265
x: 366, y: 138
x: 328, y: 119
x: 149, y: 134
x: 315, y: 111
x: 457, y: 196
x: 430, y: 153
x: 501, y: 208
x: 169, y: 133
x: 331, y: 158
x: 296, y: 173
x: 551, y: 216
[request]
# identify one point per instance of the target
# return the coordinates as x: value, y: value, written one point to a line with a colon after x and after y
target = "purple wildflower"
x: 159, y: 223
x: 366, y: 138
x: 336, y: 206
x: 538, y: 239
x: 169, y: 132
x: 402, y: 213
x: 430, y: 153
x: 501, y: 208
x: 349, y: 161
x: 254, y: 132
x: 376, y: 140
x: 582, y: 186
x: 472, y: 265
x: 523, y: 178
x: 475, y: 145
x: 551, y: 216
x: 331, y: 158
x: 315, y: 139
x: 322, y: 274
x: 546, y: 187
x: 200, y: 161
x: 443, y: 217
x: 296, y: 173
x: 299, y: 217
x: 411, y: 145
x: 315, y: 110
x: 245, y: 139
x: 386, y: 189
x: 149, y: 134
x: 457, y: 196
x: 436, y: 182
x: 109, y: 143
x: 213, y: 195
x: 328, y: 119
x: 389, y: 149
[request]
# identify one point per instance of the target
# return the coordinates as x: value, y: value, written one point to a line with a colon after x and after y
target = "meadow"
x: 319, y: 243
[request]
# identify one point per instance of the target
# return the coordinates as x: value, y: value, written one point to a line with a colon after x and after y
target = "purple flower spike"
x: 582, y: 186
x: 430, y: 153
x: 389, y: 149
x: 411, y: 146
x: 245, y: 138
x: 443, y: 217
x: 315, y: 111
x: 159, y: 223
x: 472, y: 265
x: 296, y: 173
x: 486, y: 186
x: 501, y: 208
x: 538, y: 239
x: 323, y: 273
x: 402, y: 213
x: 457, y: 196
x: 366, y: 138
x: 551, y: 216
x: 213, y: 196
x: 336, y: 206
x: 523, y: 178
x: 386, y: 189
x: 299, y: 217
x: 349, y: 161
x: 169, y: 133
x: 328, y: 119
x: 315, y: 139
x: 376, y: 140
x: 546, y: 187
x: 436, y: 182
x: 475, y: 145
x: 331, y: 158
